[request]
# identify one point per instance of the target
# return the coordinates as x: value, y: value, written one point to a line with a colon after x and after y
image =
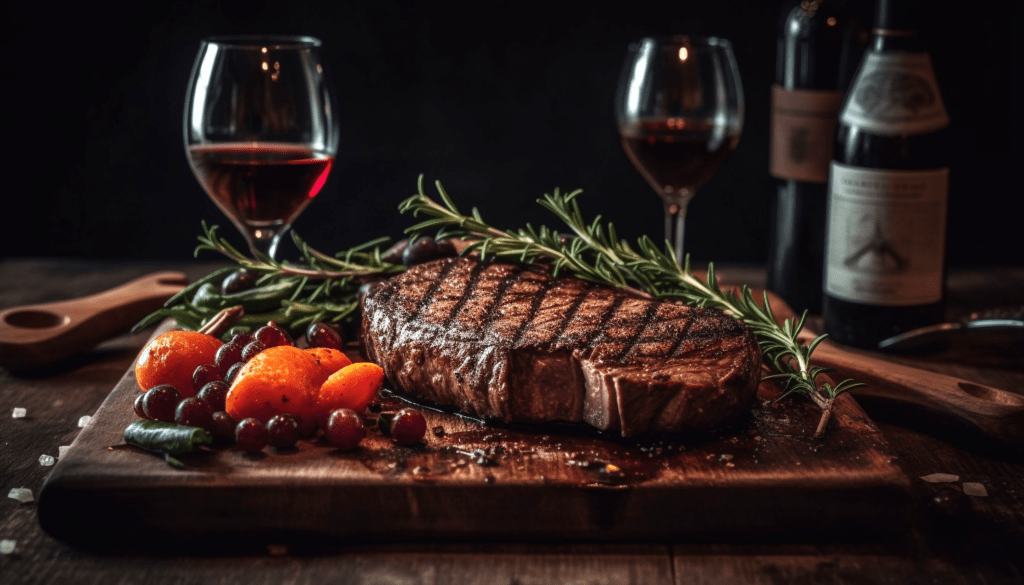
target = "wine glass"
x: 679, y: 109
x: 260, y: 130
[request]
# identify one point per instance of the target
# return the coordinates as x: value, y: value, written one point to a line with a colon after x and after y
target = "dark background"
x: 501, y: 102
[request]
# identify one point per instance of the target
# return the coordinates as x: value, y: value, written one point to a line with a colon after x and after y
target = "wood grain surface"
x: 976, y: 543
x: 471, y: 480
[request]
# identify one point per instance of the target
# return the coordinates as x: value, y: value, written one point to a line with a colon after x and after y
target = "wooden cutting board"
x: 762, y: 477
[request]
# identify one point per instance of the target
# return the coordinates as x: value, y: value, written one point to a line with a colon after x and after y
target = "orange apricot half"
x: 353, y: 386
x: 172, y: 357
x: 330, y: 360
x: 278, y: 380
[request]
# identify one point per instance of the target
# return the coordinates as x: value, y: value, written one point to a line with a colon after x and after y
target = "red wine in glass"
x: 260, y: 185
x: 260, y: 130
x: 670, y: 156
x: 679, y: 109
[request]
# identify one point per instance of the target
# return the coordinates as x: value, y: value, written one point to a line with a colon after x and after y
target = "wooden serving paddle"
x: 996, y: 413
x: 36, y: 335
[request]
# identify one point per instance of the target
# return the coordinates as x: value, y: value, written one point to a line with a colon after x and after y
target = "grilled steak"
x: 506, y: 342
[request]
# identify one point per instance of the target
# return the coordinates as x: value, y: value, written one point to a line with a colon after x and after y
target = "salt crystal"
x: 62, y: 450
x: 46, y: 460
x: 975, y: 489
x: 7, y: 546
x: 21, y: 494
x: 19, y: 413
x: 84, y: 421
x: 940, y: 478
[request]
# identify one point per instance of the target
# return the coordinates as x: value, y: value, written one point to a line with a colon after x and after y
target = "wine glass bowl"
x: 679, y: 111
x: 260, y: 130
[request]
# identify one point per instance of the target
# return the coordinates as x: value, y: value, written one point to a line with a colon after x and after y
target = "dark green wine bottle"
x: 817, y: 50
x: 888, y: 190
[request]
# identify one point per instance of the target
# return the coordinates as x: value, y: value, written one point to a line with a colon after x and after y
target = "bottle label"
x: 803, y: 126
x: 886, y: 235
x: 895, y: 93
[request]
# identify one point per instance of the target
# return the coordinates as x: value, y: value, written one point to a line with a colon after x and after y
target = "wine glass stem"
x: 265, y: 241
x: 675, y: 222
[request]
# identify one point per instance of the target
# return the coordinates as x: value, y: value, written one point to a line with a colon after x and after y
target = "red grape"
x: 251, y: 349
x: 320, y: 334
x: 423, y: 249
x: 140, y: 410
x: 240, y: 337
x: 160, y: 401
x: 272, y: 335
x: 205, y: 374
x: 251, y: 435
x: 215, y: 394
x: 230, y: 376
x: 283, y: 430
x: 223, y: 426
x: 238, y: 281
x: 194, y: 412
x: 345, y: 429
x: 228, y: 355
x: 408, y: 426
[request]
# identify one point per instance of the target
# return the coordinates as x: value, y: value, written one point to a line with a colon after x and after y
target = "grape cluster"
x: 344, y: 428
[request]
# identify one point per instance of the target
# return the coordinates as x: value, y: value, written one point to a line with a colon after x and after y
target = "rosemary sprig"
x: 317, y: 288
x: 362, y: 260
x: 595, y: 253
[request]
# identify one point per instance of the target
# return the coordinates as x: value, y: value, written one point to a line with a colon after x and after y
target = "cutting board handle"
x: 35, y: 335
x: 996, y: 413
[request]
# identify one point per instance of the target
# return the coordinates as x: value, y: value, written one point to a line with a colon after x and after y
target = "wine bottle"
x: 888, y: 190
x: 818, y: 46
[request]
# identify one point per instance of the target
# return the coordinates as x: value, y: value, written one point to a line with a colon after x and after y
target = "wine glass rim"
x: 263, y: 41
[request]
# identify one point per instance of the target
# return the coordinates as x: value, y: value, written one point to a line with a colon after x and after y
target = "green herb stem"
x: 317, y: 288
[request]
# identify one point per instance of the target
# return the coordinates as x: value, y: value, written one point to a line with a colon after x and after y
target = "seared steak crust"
x: 507, y: 342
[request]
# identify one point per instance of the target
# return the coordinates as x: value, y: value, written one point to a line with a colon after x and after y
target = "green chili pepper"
x: 152, y: 319
x: 166, y: 438
x: 257, y: 300
x: 208, y: 296
x: 190, y: 290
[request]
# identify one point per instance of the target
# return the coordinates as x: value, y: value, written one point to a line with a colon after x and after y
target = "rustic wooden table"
x: 979, y: 543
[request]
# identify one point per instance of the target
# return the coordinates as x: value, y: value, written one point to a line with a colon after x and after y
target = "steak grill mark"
x: 474, y: 278
x: 652, y: 310
x: 492, y: 310
x: 527, y: 323
x: 682, y: 337
x: 514, y: 344
x: 567, y: 317
x: 594, y: 334
x: 432, y: 289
